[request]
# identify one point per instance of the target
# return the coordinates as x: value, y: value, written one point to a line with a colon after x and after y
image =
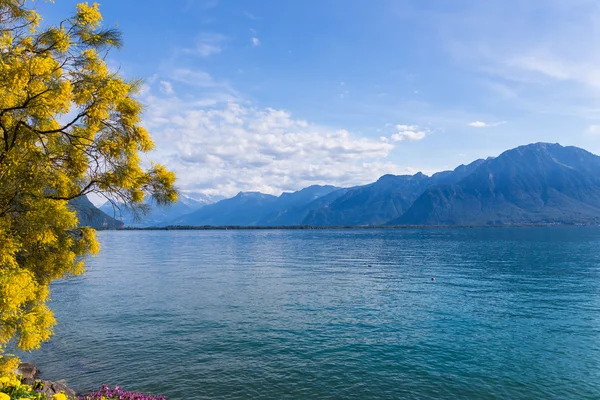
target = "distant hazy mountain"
x: 382, y: 201
x: 538, y: 183
x: 252, y: 208
x: 247, y: 208
x: 89, y: 215
x: 158, y: 215
x: 292, y: 208
x: 201, y: 198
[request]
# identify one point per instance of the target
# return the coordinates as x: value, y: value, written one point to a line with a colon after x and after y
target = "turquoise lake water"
x: 335, y: 314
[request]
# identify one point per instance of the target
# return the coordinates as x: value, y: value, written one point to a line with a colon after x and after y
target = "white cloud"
x: 481, y: 124
x: 221, y: 145
x: 408, y: 135
x: 255, y: 41
x: 478, y: 124
x: 409, y: 132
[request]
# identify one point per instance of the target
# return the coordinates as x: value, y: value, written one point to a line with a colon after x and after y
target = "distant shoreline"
x: 334, y: 227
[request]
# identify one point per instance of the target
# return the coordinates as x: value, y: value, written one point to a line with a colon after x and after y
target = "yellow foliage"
x: 89, y: 15
x: 46, y: 75
x: 7, y: 365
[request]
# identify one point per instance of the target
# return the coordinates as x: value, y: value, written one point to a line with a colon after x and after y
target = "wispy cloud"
x: 543, y: 64
x: 210, y: 4
x: 552, y: 66
x: 193, y: 77
x: 166, y: 87
x: 593, y: 130
x: 202, y: 4
x: 208, y: 44
x: 196, y: 87
x: 202, y: 79
x: 255, y: 41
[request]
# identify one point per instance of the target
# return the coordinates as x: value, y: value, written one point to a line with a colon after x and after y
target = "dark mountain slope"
x: 372, y: 204
x: 456, y: 175
x: 386, y: 199
x: 89, y: 215
x: 538, y: 183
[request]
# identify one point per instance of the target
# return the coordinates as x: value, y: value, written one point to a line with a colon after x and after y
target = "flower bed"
x: 106, y: 393
x: 13, y: 389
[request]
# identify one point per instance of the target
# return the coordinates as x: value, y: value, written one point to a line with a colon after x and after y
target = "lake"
x: 334, y: 314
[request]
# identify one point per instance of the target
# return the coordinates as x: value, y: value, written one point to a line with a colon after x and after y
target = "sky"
x: 273, y: 96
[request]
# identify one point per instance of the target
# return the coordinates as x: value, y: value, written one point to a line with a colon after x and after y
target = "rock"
x: 28, y: 371
x: 28, y: 381
x: 51, y: 388
x: 29, y: 376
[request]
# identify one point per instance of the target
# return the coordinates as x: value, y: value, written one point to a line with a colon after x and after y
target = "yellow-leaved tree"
x: 68, y: 127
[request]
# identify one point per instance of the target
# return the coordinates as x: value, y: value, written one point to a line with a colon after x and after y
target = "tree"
x: 68, y: 127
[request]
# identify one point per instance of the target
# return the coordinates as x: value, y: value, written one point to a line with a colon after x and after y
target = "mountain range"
x: 539, y: 183
x: 157, y: 215
x: 536, y: 184
x: 257, y: 209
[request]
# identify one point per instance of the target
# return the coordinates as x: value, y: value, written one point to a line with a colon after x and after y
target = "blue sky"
x: 277, y: 95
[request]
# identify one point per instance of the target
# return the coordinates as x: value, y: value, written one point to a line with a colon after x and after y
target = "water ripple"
x: 335, y: 314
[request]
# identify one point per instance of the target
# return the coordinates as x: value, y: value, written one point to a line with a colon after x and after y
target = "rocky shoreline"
x: 30, y: 375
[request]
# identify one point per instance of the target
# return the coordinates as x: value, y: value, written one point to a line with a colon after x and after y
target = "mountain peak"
x: 390, y: 178
x: 535, y: 183
x: 252, y: 194
x: 313, y: 188
x: 541, y: 145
